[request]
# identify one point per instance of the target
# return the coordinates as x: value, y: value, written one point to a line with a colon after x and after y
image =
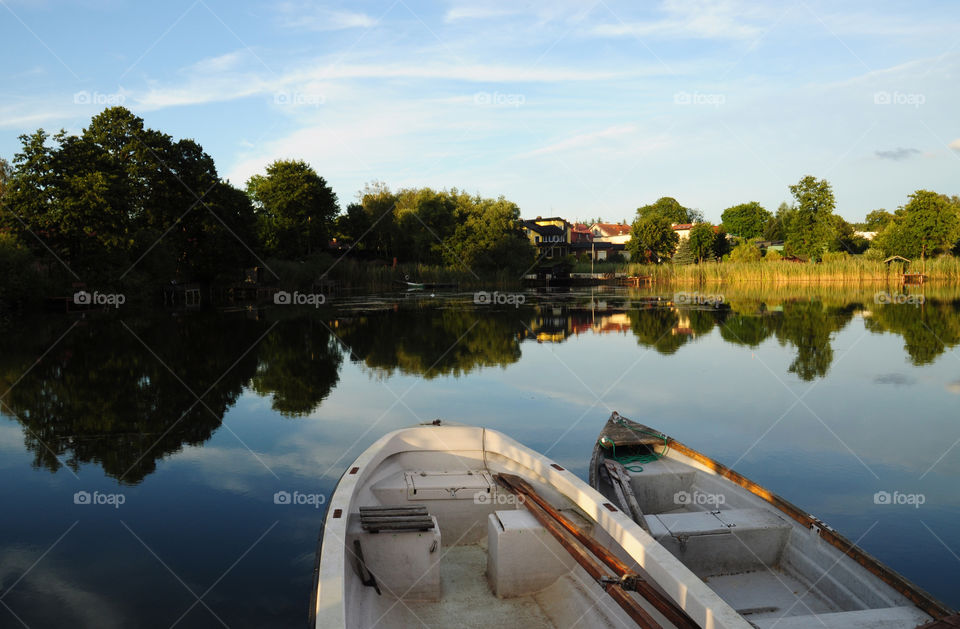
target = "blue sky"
x: 581, y: 109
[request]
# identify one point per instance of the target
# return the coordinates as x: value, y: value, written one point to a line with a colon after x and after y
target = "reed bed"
x: 854, y: 269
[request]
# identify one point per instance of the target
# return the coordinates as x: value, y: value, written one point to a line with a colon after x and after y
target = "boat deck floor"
x: 468, y: 602
x: 769, y: 594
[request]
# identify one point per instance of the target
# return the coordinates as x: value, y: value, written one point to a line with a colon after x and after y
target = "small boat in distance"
x: 461, y: 526
x: 775, y: 564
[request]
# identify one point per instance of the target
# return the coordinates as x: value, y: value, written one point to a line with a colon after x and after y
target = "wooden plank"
x: 620, y: 479
x: 422, y: 508
x: 666, y: 606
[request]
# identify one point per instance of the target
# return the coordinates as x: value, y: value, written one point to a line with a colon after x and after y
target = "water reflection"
x: 122, y: 394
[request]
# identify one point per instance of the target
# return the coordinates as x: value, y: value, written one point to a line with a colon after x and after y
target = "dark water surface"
x: 182, y: 427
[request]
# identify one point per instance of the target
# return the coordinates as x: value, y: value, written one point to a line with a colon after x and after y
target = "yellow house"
x: 551, y: 236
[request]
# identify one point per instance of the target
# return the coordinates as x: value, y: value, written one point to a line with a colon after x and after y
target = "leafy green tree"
x: 652, y: 239
x: 6, y: 171
x: 702, y: 238
x: 811, y: 228
x: 745, y: 252
x: 777, y: 227
x: 877, y: 220
x: 120, y: 193
x: 488, y: 237
x: 721, y: 242
x: 379, y: 204
x: 845, y: 239
x: 295, y: 208
x: 670, y: 208
x: 931, y: 223
x: 747, y: 220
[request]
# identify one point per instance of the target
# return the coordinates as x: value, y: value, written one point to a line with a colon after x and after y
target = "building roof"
x: 681, y: 226
x: 612, y: 229
x: 543, y: 230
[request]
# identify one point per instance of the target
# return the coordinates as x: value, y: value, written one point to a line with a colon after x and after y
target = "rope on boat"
x: 634, y: 462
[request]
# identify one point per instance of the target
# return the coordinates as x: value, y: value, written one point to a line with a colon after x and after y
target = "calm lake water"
x: 181, y: 427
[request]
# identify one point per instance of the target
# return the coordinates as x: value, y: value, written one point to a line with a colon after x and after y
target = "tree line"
x: 927, y: 225
x: 120, y: 201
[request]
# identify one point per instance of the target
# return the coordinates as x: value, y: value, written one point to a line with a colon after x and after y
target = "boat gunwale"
x: 924, y: 601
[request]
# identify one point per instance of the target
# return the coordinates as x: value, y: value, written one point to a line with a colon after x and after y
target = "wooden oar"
x: 628, y: 578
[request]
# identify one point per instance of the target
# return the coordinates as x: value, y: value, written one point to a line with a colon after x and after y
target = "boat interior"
x: 434, y: 541
x: 772, y: 570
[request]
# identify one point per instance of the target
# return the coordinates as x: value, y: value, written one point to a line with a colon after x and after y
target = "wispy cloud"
x: 955, y: 145
x: 307, y: 16
x: 898, y: 154
x: 584, y: 140
x: 698, y: 19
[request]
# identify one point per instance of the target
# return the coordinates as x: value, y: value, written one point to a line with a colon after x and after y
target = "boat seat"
x: 722, y: 542
x: 395, y: 518
x: 883, y: 618
x: 396, y: 548
x: 523, y: 557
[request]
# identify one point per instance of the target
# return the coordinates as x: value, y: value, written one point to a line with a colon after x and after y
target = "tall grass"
x: 852, y: 269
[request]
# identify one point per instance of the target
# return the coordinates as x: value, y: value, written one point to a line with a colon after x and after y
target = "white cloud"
x: 955, y: 145
x: 473, y: 12
x: 583, y: 140
x: 700, y: 19
x: 300, y: 15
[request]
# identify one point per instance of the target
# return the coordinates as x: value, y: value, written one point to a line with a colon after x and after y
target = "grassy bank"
x: 853, y: 269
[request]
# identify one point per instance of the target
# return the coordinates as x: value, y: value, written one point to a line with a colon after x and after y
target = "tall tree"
x: 670, y: 208
x: 702, y: 239
x: 928, y: 224
x: 812, y: 227
x: 295, y: 208
x: 488, y: 237
x: 746, y: 220
x: 652, y: 239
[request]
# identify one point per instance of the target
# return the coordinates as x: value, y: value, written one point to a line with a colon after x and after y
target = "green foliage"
x: 929, y: 224
x: 747, y: 220
x: 777, y: 227
x: 670, y: 209
x: 745, y: 252
x: 295, y: 208
x: 488, y: 237
x: 877, y: 220
x: 812, y: 227
x: 120, y: 196
x: 652, y: 239
x: 772, y: 255
x: 684, y: 254
x: 702, y: 238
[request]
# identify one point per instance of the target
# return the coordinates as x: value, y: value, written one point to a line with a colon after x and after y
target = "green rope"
x: 635, y: 462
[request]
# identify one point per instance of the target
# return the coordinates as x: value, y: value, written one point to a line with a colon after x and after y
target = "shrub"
x: 773, y: 256
x: 745, y: 253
